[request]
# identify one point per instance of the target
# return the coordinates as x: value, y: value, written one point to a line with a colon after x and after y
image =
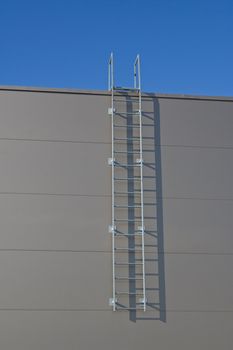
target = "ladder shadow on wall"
x: 153, y: 204
x: 153, y: 216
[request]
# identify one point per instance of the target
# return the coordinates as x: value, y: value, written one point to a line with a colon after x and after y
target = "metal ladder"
x: 127, y: 225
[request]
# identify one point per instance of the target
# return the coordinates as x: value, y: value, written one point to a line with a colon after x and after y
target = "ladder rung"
x: 127, y: 220
x: 126, y: 100
x: 128, y: 278
x: 127, y: 206
x: 128, y: 249
x: 121, y: 165
x: 122, y: 195
x: 126, y: 264
x: 122, y: 88
x: 127, y: 178
x: 128, y: 152
x: 126, y: 126
x: 128, y: 235
x: 128, y: 293
x: 136, y: 113
x: 127, y: 139
x: 136, y: 192
x: 129, y: 308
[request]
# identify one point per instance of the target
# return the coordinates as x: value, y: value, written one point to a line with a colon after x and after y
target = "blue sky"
x: 185, y: 46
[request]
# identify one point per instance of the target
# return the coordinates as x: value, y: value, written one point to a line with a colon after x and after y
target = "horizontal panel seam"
x: 196, y: 198
x: 55, y: 194
x: 54, y: 141
x: 146, y: 142
x: 109, y: 251
x: 110, y: 310
x: 147, y: 195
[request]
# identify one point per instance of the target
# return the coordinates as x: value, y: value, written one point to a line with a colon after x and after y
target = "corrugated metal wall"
x: 55, y: 249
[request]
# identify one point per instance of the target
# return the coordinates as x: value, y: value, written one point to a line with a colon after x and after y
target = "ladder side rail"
x: 111, y: 87
x: 138, y: 81
x: 137, y: 73
x: 113, y: 210
x: 110, y: 73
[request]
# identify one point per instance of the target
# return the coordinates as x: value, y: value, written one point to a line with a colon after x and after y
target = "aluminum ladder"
x: 127, y: 224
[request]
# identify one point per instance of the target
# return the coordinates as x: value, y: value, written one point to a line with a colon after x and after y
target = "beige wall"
x: 55, y: 249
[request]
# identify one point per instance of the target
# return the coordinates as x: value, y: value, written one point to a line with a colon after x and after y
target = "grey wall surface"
x: 55, y: 208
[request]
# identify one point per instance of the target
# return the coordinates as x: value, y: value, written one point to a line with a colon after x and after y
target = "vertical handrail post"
x: 111, y: 88
x: 137, y: 85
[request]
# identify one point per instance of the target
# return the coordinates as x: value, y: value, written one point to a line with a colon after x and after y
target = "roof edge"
x: 107, y: 93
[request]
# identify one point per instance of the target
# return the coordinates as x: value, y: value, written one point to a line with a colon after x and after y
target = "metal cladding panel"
x: 100, y: 330
x: 55, y: 222
x: 198, y: 226
x: 53, y: 167
x: 197, y: 123
x: 66, y: 280
x: 54, y: 280
x: 197, y: 173
x: 55, y: 198
x: 54, y: 116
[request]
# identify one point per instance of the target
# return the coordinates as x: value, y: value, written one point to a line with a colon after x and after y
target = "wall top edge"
x: 107, y: 93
